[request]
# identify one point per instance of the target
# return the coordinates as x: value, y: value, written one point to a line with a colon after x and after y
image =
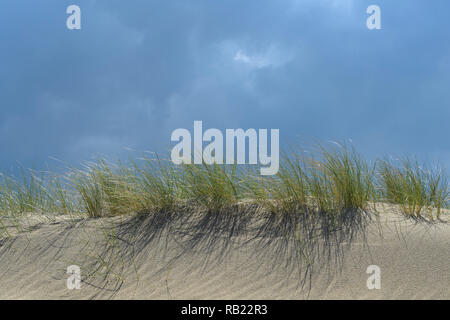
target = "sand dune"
x: 139, y: 257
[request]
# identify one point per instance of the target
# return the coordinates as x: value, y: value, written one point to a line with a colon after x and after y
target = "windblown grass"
x: 34, y: 192
x: 211, y: 186
x: 330, y: 180
x: 416, y: 188
x: 157, y: 182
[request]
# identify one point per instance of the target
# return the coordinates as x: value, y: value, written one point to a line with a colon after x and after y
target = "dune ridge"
x: 161, y: 257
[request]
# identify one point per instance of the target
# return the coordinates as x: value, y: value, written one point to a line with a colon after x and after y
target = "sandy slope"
x: 414, y: 258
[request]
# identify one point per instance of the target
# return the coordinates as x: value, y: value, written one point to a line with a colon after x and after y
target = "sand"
x: 137, y: 257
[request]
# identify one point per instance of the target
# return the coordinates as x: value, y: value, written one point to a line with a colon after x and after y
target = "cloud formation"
x: 135, y: 72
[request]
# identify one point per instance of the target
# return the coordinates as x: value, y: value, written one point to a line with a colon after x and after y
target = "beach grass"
x: 419, y: 190
x: 330, y: 179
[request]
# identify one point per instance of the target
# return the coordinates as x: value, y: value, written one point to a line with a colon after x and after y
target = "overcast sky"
x: 137, y: 70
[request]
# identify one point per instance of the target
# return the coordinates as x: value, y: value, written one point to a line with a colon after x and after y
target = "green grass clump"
x: 87, y: 183
x: 34, y: 192
x: 105, y: 189
x: 290, y: 188
x: 349, y: 178
x: 212, y: 186
x: 158, y: 182
x: 417, y: 189
x: 330, y: 180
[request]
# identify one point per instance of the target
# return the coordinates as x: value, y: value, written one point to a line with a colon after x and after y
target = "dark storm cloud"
x: 139, y: 69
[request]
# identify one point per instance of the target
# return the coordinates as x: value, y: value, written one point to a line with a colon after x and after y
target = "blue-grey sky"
x: 139, y: 69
